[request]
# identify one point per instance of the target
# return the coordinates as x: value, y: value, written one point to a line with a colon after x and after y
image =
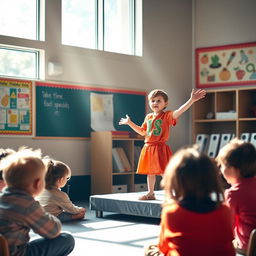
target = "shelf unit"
x: 241, y: 100
x: 102, y: 176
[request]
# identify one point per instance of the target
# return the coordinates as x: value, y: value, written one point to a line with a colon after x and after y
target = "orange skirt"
x: 154, y: 158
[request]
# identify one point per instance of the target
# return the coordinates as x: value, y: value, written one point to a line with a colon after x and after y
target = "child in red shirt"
x: 237, y: 162
x: 156, y: 154
x: 194, y: 221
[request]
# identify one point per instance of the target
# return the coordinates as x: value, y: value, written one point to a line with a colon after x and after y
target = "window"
x: 79, y: 23
x: 19, y: 63
x: 109, y: 25
x: 118, y: 26
x: 19, y: 18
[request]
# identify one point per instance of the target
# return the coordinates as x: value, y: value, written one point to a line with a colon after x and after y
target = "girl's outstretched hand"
x: 197, y: 94
x: 125, y: 120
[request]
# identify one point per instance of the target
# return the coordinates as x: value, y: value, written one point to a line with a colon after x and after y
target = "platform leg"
x: 99, y: 214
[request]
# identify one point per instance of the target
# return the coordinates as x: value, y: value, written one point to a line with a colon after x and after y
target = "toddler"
x: 194, y: 221
x: 53, y: 199
x: 24, y: 174
x: 237, y: 162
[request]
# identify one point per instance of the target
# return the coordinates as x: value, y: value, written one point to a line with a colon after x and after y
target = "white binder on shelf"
x: 245, y: 136
x: 225, y: 138
x: 213, y: 145
x: 202, y: 140
x: 117, y: 163
x: 253, y: 139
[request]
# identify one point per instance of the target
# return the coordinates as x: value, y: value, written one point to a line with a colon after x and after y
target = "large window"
x: 20, y: 63
x: 19, y: 18
x: 109, y: 25
x: 79, y: 23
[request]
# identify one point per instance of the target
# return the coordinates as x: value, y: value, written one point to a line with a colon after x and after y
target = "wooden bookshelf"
x: 103, y: 177
x: 241, y: 100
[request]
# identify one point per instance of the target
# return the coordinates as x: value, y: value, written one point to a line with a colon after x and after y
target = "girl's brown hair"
x: 158, y: 92
x: 241, y: 155
x: 192, y: 174
x: 55, y: 171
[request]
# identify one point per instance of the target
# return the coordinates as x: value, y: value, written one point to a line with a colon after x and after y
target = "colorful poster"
x: 226, y: 65
x: 15, y: 107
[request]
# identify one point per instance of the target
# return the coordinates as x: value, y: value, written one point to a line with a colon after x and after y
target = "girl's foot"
x: 147, y: 197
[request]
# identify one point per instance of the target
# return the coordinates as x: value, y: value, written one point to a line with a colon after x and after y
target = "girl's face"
x: 231, y: 174
x: 157, y: 104
x: 63, y: 181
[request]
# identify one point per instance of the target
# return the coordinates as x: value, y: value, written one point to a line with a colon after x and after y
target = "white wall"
x: 221, y: 22
x: 166, y: 64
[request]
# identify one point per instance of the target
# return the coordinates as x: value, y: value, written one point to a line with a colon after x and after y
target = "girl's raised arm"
x: 195, y: 96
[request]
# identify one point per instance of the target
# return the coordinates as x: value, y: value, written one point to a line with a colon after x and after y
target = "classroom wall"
x: 222, y: 22
x: 172, y: 29
x: 166, y: 63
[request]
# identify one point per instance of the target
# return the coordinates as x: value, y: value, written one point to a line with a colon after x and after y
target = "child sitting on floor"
x: 24, y: 174
x: 194, y: 221
x: 53, y: 199
x: 237, y: 162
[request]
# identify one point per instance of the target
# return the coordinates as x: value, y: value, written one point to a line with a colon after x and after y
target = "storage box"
x: 119, y: 189
x: 140, y: 187
x: 226, y: 115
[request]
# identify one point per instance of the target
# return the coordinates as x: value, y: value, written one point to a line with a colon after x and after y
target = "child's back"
x: 24, y: 174
x: 53, y: 199
x: 194, y: 221
x: 237, y: 160
x: 19, y: 212
x: 190, y: 233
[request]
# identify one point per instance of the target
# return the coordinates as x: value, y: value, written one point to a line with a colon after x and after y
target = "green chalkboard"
x: 65, y: 110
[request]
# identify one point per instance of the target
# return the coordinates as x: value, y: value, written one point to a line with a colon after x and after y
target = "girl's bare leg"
x: 151, y: 180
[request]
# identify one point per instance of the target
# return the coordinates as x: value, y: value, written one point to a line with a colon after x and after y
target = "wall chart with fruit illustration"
x: 15, y: 107
x: 226, y: 65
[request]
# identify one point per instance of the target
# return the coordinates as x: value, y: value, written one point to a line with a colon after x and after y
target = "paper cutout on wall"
x: 102, y: 112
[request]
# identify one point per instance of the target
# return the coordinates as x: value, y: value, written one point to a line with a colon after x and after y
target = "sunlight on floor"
x: 115, y: 238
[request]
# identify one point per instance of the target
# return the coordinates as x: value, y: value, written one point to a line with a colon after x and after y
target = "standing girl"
x: 156, y: 154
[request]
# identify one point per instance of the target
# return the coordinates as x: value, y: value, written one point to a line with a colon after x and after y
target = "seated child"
x: 3, y: 154
x: 237, y: 162
x: 53, y: 199
x: 24, y: 173
x: 194, y: 221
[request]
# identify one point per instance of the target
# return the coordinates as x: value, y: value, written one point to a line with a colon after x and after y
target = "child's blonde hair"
x: 158, y: 92
x: 241, y: 155
x: 191, y: 174
x: 55, y: 171
x: 21, y: 167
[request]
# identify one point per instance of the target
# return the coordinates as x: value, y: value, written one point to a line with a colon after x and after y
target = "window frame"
x: 100, y: 29
x: 28, y: 50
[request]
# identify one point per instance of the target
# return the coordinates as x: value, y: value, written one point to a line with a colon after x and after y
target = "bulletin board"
x: 15, y: 107
x: 65, y: 110
x: 226, y: 65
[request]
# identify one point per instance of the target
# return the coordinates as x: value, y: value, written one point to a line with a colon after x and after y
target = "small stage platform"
x: 127, y: 203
